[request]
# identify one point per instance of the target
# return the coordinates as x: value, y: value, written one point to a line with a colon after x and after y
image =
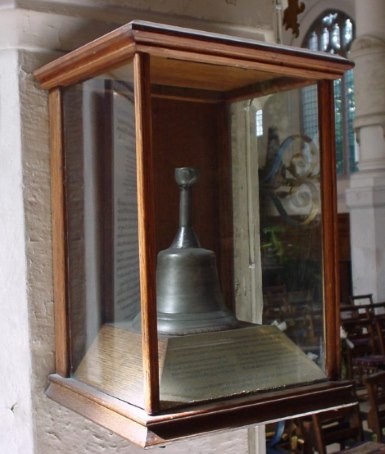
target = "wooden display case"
x: 125, y: 111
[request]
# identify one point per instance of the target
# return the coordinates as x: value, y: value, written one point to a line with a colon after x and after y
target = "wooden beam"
x: 186, y: 94
x: 146, y: 226
x: 59, y: 235
x: 119, y: 46
x: 329, y: 226
x: 267, y: 88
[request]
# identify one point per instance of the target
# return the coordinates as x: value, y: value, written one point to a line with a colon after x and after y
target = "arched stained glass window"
x: 333, y: 32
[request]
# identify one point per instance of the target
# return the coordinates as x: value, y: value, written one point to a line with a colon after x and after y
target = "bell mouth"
x: 170, y: 325
x: 182, y: 324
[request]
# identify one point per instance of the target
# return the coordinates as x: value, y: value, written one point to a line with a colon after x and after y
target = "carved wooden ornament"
x: 290, y: 16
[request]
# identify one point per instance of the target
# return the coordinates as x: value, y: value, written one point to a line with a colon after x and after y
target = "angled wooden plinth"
x: 137, y: 426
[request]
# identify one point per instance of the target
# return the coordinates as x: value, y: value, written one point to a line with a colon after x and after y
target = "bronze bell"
x: 189, y: 298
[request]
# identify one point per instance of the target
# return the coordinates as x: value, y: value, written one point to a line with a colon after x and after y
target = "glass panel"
x: 237, y: 233
x: 351, y: 110
x: 103, y: 264
x: 239, y: 216
x: 290, y: 218
x: 339, y: 122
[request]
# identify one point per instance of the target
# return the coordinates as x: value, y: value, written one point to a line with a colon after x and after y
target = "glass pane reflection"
x: 103, y: 255
x: 290, y: 220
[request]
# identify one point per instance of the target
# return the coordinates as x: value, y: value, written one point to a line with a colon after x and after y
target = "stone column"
x: 366, y: 195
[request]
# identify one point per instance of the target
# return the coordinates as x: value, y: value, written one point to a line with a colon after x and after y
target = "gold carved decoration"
x: 290, y: 16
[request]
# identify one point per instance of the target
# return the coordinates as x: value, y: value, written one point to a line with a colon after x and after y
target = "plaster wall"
x: 15, y: 356
x: 366, y: 195
x: 367, y: 238
x: 30, y: 423
x: 372, y: 17
x: 244, y: 13
x: 64, y: 25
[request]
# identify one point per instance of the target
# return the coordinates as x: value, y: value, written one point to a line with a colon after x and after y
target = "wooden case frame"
x: 291, y: 67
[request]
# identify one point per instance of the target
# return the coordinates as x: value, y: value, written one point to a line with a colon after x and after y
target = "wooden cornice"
x: 164, y: 41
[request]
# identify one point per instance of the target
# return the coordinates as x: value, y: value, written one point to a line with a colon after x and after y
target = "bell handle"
x: 185, y: 178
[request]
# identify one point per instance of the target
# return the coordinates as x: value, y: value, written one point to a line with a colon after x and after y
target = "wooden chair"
x: 314, y: 324
x: 342, y: 426
x: 348, y: 311
x: 375, y: 308
x: 361, y: 300
x: 376, y: 395
x: 363, y: 357
x: 284, y: 437
x: 303, y: 323
x: 275, y: 304
x: 357, y: 307
x: 376, y: 313
x: 379, y: 327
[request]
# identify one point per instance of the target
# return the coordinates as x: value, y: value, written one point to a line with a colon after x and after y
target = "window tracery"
x: 333, y: 32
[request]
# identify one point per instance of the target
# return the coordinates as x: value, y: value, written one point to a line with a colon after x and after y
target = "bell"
x: 189, y: 298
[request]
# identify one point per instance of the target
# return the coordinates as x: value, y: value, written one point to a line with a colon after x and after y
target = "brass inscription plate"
x: 213, y: 365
